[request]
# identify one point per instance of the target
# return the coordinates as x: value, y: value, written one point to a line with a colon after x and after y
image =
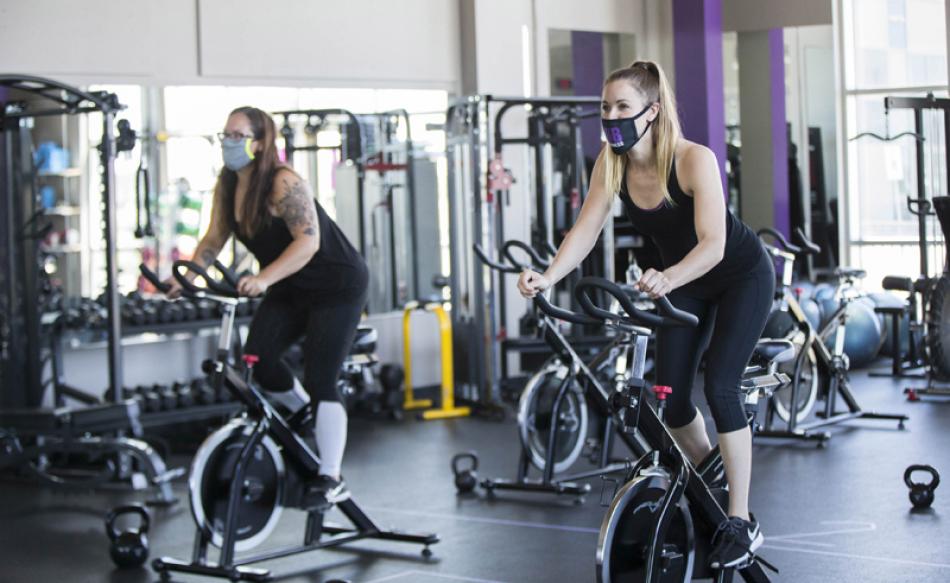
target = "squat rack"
x: 57, y: 99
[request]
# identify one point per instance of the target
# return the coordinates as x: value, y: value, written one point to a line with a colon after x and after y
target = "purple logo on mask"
x: 614, y: 136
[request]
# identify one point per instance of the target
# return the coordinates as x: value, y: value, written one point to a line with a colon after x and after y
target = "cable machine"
x: 932, y: 326
x: 379, y: 190
x: 479, y: 189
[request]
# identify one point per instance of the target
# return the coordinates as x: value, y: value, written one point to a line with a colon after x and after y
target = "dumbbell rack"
x: 134, y: 334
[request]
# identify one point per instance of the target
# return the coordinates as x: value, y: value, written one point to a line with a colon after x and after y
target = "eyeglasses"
x: 233, y: 136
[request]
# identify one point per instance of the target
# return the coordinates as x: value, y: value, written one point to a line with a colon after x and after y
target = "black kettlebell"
x: 467, y: 479
x: 921, y: 495
x: 129, y: 547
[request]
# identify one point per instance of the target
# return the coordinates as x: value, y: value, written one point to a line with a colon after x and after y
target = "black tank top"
x: 336, y: 271
x: 673, y: 229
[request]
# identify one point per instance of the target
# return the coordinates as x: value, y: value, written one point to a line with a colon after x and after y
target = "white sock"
x: 331, y: 437
x: 293, y: 399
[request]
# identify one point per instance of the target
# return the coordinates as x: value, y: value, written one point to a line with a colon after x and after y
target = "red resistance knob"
x: 661, y: 391
x: 798, y: 291
x: 251, y: 359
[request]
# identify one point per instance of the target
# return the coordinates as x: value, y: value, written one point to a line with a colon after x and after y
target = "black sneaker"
x: 324, y: 491
x: 734, y: 543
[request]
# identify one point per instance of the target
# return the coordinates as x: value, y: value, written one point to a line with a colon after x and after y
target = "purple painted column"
x: 697, y: 56
x: 587, y: 58
x: 780, y: 196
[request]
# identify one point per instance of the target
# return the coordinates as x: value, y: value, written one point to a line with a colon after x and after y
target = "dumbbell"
x: 189, y: 310
x: 153, y: 402
x: 203, y: 393
x: 169, y: 312
x: 206, y: 309
x: 132, y: 314
x: 167, y: 395
x: 134, y: 395
x: 150, y: 310
x: 185, y: 397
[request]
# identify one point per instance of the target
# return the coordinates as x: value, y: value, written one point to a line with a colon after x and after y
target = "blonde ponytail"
x: 648, y: 78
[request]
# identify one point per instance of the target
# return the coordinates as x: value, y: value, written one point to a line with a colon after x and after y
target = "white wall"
x: 316, y: 43
x: 135, y: 41
x: 751, y: 15
x: 352, y: 43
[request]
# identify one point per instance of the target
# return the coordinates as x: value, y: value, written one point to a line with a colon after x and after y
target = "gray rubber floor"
x: 834, y: 514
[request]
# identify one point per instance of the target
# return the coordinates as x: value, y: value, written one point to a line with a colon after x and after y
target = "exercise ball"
x: 890, y: 300
x: 805, y: 289
x: 824, y: 295
x: 812, y: 312
x: 864, y: 334
x: 823, y: 291
x: 826, y: 309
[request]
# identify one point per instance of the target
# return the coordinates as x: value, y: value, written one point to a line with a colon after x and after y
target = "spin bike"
x: 249, y: 470
x: 660, y: 523
x: 554, y: 407
x: 828, y: 365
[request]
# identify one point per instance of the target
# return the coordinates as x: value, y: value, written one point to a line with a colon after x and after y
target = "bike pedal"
x: 605, y: 501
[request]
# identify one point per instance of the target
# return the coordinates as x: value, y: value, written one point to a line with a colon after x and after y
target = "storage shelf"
x: 147, y: 334
x: 64, y: 249
x: 67, y: 173
x: 62, y: 210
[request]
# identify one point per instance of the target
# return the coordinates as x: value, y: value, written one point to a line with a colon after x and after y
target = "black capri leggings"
x: 328, y: 331
x: 730, y: 323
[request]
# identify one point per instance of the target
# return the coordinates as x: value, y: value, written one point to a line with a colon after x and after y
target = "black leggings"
x: 730, y: 323
x: 329, y: 330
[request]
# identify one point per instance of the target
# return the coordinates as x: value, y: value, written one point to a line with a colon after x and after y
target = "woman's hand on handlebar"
x: 654, y: 283
x: 252, y: 286
x: 174, y: 288
x: 531, y: 282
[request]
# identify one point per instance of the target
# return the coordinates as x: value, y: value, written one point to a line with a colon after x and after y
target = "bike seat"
x: 777, y: 351
x: 850, y: 273
x: 365, y: 341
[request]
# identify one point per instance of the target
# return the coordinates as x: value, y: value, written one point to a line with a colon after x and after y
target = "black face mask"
x: 622, y: 133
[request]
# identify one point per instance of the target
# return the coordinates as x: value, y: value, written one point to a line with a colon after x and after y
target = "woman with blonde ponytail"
x: 713, y: 266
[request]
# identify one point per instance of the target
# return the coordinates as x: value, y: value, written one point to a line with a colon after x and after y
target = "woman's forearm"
x: 573, y: 250
x: 703, y: 257
x: 205, y: 254
x: 292, y: 260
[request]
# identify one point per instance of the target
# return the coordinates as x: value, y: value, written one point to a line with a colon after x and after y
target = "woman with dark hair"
x: 313, y: 281
x: 713, y: 267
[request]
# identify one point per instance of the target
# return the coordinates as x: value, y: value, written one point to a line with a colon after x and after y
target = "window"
x: 891, y: 47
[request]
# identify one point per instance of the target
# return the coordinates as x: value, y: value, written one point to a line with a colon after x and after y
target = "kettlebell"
x: 467, y: 479
x: 129, y: 547
x: 921, y: 495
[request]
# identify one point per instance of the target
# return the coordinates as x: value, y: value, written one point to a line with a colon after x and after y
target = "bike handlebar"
x: 222, y: 288
x: 534, y: 255
x: 780, y: 239
x: 810, y: 247
x: 493, y: 264
x: 668, y: 315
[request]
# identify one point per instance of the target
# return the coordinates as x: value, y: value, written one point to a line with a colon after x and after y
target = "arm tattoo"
x: 208, y: 256
x: 296, y: 208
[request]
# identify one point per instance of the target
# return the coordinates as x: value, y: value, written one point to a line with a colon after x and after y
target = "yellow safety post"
x: 410, y: 402
x: 447, y: 408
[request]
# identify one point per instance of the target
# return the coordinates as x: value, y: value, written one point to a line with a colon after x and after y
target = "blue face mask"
x: 236, y: 153
x: 622, y: 133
